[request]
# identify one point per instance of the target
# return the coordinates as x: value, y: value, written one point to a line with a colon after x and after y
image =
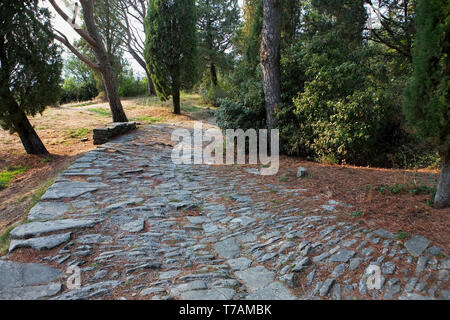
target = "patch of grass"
x: 402, y: 235
x: 9, y: 174
x: 45, y: 160
x: 284, y: 178
x: 4, y: 241
x: 77, y: 133
x: 83, y: 104
x: 100, y: 112
x: 149, y: 120
x: 357, y: 214
x: 37, y: 195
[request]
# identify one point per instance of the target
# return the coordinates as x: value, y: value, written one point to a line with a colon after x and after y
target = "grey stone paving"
x: 141, y: 227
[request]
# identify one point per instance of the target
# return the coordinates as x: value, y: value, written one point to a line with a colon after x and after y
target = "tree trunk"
x: 30, y: 140
x: 151, y: 86
x: 176, y: 101
x: 213, y: 74
x: 270, y: 58
x: 442, y: 199
x: 104, y: 63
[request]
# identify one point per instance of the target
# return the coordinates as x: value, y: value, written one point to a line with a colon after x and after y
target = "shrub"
x: 232, y: 115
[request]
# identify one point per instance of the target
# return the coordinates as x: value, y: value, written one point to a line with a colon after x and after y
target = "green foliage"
x: 171, y: 45
x: 427, y: 97
x: 30, y: 62
x: 216, y: 24
x: 214, y: 95
x: 129, y: 86
x: 78, y: 133
x: 149, y: 120
x: 232, y: 115
x: 73, y: 92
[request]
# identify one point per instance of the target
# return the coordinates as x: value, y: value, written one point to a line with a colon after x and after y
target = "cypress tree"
x: 427, y: 97
x: 171, y: 47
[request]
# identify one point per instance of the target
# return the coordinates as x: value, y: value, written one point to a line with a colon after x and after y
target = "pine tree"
x: 217, y: 22
x: 427, y: 97
x: 30, y: 68
x: 171, y: 47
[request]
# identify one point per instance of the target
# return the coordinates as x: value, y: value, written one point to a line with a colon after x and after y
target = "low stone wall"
x: 112, y: 130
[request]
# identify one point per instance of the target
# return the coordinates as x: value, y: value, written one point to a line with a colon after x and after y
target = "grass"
x: 100, y: 112
x: 77, y: 133
x: 357, y: 214
x: 5, y: 241
x: 149, y: 120
x: 9, y: 174
x: 402, y: 235
x: 83, y: 104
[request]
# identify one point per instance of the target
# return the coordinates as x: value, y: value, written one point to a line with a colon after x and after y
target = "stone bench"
x: 112, y: 130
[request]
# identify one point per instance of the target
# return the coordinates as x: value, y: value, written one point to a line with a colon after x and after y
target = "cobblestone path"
x: 139, y: 227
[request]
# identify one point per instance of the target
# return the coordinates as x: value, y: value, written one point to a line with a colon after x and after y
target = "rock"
x: 421, y: 264
x: 16, y: 275
x: 435, y: 251
x: 321, y: 257
x: 227, y: 249
x: 301, y: 264
x: 337, y: 292
x: 37, y: 228
x: 310, y: 277
x: 388, y: 268
x: 384, y: 234
x: 339, y: 271
x: 326, y: 286
x: 342, y: 256
x: 31, y: 293
x: 213, y: 294
x: 62, y: 190
x: 302, y: 172
x: 290, y: 279
x: 48, y: 211
x: 190, y: 286
x: 89, y: 291
x: 150, y: 291
x: 354, y: 263
x: 43, y: 243
x: 134, y: 226
x: 239, y: 264
x: 198, y: 220
x: 256, y: 278
x: 274, y: 291
x: 417, y: 245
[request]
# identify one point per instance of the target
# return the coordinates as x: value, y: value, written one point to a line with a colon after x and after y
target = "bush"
x: 131, y: 87
x: 232, y: 115
x: 213, y: 95
x: 73, y: 92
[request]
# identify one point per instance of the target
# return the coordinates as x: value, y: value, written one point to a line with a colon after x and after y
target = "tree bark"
x: 214, y: 75
x: 176, y: 101
x: 20, y: 123
x: 151, y: 86
x: 270, y: 58
x: 442, y: 199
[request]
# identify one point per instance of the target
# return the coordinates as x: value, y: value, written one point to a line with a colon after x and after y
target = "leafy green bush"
x: 213, y: 95
x: 131, y: 87
x: 73, y: 92
x: 232, y: 115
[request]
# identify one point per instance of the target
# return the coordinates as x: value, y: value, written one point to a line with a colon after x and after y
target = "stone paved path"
x: 140, y: 227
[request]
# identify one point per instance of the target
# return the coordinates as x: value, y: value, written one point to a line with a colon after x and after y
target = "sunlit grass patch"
x: 149, y: 120
x: 9, y: 174
x: 100, y: 112
x: 78, y: 133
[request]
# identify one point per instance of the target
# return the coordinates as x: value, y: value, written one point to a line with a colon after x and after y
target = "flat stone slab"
x: 31, y: 293
x: 417, y: 245
x: 198, y: 220
x: 384, y: 234
x: 227, y: 249
x: 48, y: 211
x: 212, y: 294
x: 17, y: 275
x: 190, y: 286
x: 37, y: 228
x: 342, y: 256
x: 43, y: 243
x: 274, y: 291
x: 239, y: 264
x: 256, y: 278
x: 134, y: 226
x: 62, y: 190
